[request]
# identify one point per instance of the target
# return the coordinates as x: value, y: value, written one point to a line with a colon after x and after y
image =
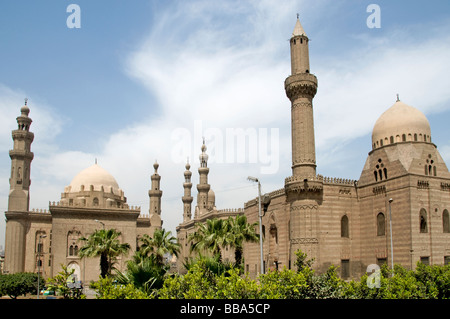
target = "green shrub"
x: 106, y: 288
x: 14, y: 285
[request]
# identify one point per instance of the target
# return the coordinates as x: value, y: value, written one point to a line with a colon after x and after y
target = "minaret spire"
x: 301, y: 87
x: 187, y: 198
x: 21, y: 157
x: 17, y: 217
x: 155, y: 195
x: 203, y: 186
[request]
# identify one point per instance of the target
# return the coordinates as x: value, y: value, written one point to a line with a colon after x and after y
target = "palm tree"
x: 162, y: 243
x: 106, y: 244
x: 210, y: 236
x: 143, y: 272
x: 239, y: 231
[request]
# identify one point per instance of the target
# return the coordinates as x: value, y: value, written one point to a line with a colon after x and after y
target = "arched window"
x: 344, y: 226
x: 381, y: 225
x: 445, y: 221
x: 95, y: 202
x: 423, y: 221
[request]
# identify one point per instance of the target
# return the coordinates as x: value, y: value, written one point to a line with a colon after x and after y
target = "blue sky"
x: 144, y: 80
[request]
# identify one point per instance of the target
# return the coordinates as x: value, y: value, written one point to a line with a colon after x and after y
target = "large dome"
x: 400, y: 123
x: 97, y: 177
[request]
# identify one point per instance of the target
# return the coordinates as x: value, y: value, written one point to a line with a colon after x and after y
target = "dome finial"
x: 398, y: 98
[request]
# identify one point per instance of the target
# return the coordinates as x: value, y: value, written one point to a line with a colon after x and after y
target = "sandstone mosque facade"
x: 341, y: 222
x: 43, y: 240
x: 346, y: 222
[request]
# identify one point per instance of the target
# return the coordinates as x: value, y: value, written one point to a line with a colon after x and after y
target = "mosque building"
x: 345, y: 222
x: 338, y: 221
x: 43, y: 240
x: 401, y: 200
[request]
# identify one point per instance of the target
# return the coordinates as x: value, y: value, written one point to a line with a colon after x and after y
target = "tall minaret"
x: 21, y: 157
x: 187, y: 198
x: 300, y: 88
x: 203, y: 186
x: 155, y: 195
x: 19, y: 194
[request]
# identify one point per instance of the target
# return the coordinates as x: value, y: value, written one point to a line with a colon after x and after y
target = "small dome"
x: 25, y: 110
x: 400, y: 123
x: 97, y: 177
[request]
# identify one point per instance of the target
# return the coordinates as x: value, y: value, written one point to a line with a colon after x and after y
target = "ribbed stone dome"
x: 400, y: 123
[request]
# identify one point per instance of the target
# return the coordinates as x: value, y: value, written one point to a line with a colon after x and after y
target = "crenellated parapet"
x: 83, y: 203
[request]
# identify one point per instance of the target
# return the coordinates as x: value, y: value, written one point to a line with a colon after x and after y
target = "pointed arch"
x: 381, y: 224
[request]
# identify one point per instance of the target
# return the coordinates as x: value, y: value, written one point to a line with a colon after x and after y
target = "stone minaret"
x: 187, y: 198
x: 300, y: 88
x: 155, y: 195
x: 203, y: 186
x: 21, y: 157
x: 19, y: 194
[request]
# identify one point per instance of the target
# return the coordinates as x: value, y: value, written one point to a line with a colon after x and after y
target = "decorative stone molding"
x: 302, y: 207
x: 423, y: 184
x: 305, y: 240
x: 377, y: 190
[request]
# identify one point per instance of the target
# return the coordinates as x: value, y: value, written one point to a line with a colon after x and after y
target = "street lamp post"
x: 390, y: 229
x: 254, y: 179
x: 103, y: 224
x: 39, y: 263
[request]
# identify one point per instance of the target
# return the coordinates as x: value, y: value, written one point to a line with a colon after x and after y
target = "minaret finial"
x: 96, y: 161
x: 298, y: 16
x: 398, y: 98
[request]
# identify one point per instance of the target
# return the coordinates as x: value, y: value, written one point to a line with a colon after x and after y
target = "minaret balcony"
x: 301, y: 85
x: 21, y: 153
x: 299, y: 184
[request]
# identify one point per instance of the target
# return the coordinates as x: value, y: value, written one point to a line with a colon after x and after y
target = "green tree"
x: 302, y: 261
x: 213, y: 263
x: 60, y: 284
x: 18, y: 284
x: 106, y: 288
x: 210, y: 236
x: 147, y: 268
x: 238, y: 232
x: 106, y: 244
x: 144, y: 273
x: 159, y: 245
